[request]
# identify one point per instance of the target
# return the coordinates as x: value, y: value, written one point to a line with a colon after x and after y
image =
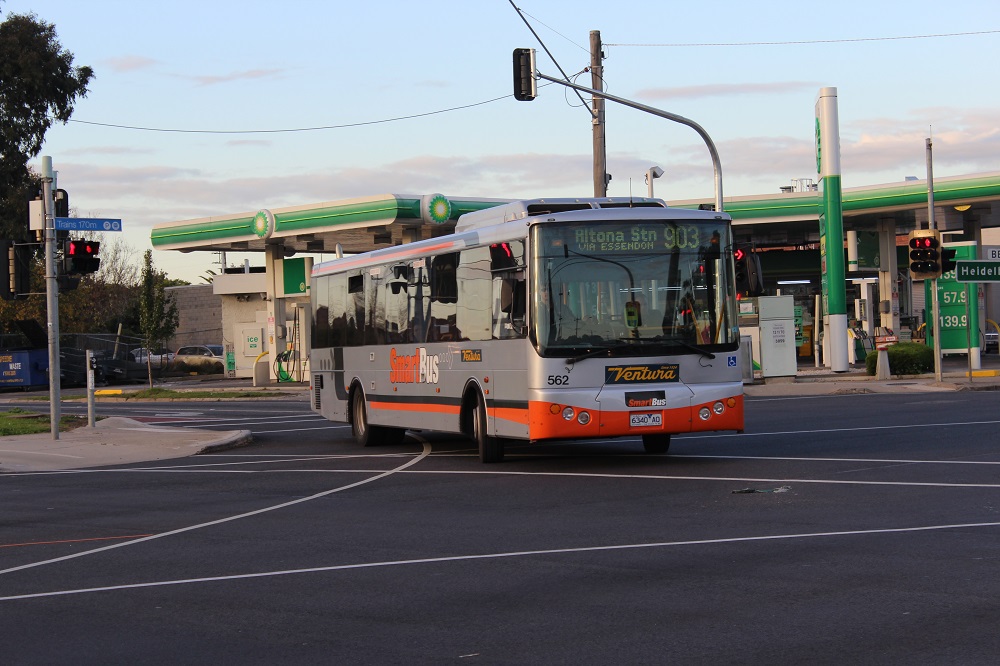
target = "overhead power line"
x: 291, y: 129
x: 820, y: 41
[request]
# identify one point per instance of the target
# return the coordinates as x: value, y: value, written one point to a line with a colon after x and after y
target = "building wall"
x: 200, y: 313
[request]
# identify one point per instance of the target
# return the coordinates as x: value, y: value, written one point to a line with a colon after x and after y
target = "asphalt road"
x: 854, y: 528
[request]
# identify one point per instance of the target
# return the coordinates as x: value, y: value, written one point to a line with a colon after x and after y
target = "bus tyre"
x: 359, y: 419
x: 366, y: 434
x: 656, y: 443
x: 490, y: 448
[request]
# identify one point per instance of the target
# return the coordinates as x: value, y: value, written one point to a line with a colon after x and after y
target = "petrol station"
x: 267, y: 311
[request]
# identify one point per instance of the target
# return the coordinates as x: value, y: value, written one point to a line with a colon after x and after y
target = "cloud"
x: 964, y: 141
x: 129, y: 63
x: 107, y: 150
x: 726, y: 90
x: 248, y: 75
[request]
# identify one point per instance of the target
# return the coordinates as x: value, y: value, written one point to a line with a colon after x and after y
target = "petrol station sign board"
x: 958, y: 313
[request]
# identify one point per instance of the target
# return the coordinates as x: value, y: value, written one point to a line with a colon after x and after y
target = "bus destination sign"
x: 639, y: 237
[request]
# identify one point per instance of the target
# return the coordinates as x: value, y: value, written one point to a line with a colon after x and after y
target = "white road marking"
x: 489, y: 556
x: 426, y: 451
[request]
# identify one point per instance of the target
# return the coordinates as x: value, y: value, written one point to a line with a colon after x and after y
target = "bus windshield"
x: 636, y: 287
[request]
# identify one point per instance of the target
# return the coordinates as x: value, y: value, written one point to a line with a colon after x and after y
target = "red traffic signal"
x: 749, y: 277
x: 924, y: 254
x: 82, y: 256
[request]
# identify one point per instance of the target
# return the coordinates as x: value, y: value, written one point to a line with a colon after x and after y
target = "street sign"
x: 977, y: 271
x: 87, y: 224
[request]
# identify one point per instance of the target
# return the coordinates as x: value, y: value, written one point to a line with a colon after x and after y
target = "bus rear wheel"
x: 366, y: 434
x: 656, y: 443
x: 490, y: 448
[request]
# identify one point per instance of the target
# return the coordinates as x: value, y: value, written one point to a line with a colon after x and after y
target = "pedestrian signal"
x: 82, y: 256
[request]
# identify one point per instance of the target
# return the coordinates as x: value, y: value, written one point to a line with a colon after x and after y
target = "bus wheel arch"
x: 474, y: 424
x: 364, y: 433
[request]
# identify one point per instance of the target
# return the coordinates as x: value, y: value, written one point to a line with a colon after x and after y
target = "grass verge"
x: 18, y: 421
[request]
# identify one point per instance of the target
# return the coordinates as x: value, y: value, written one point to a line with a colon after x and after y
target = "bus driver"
x: 556, y: 318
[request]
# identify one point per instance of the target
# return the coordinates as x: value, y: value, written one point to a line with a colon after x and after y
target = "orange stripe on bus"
x: 415, y: 407
x: 511, y: 414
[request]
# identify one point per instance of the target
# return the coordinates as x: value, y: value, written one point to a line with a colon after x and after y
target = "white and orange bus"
x: 535, y: 320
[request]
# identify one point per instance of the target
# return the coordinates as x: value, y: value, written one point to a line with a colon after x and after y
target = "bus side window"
x: 518, y: 305
x: 511, y: 292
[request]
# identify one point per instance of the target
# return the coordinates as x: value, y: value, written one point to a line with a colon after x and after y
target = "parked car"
x: 990, y: 341
x: 199, y: 358
x: 156, y: 360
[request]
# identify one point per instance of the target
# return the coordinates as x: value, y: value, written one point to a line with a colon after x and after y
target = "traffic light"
x: 749, y: 278
x: 925, y: 254
x: 525, y: 86
x: 5, y: 260
x: 15, y: 270
x: 947, y: 260
x: 742, y: 278
x: 81, y: 256
x: 61, y: 200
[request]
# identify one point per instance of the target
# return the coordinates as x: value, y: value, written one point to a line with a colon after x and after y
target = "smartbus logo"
x: 418, y: 368
x: 641, y: 374
x: 646, y: 399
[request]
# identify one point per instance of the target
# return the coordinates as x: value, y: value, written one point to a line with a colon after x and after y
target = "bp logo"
x: 263, y: 223
x: 435, y: 208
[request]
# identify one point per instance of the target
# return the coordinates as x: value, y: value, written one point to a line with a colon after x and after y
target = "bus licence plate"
x: 645, y: 420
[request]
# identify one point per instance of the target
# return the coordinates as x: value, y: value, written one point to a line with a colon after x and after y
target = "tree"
x: 158, y: 318
x: 38, y: 86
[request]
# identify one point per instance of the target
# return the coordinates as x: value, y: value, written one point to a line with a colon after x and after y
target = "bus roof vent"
x: 519, y: 210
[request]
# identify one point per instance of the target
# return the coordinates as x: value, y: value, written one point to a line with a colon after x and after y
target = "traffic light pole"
x: 934, y: 283
x: 713, y: 152
x: 51, y: 295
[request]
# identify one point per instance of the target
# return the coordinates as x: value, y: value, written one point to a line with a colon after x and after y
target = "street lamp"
x: 651, y: 173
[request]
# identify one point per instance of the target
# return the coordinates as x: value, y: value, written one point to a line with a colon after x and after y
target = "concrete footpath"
x: 112, y: 441
x: 119, y: 441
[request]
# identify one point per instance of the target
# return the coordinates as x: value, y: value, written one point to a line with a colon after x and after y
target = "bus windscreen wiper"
x: 606, y: 349
x: 660, y: 340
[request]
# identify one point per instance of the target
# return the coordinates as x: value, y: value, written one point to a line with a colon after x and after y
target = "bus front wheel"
x: 366, y: 434
x: 490, y: 448
x: 656, y: 443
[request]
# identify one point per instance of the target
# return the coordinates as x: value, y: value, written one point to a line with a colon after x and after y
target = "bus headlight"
x: 718, y: 408
x: 583, y: 418
x: 704, y: 413
x: 568, y: 413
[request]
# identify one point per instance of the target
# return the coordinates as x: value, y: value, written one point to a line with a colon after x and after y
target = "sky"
x: 208, y: 108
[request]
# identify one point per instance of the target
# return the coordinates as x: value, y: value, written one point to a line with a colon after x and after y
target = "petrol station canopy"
x: 368, y: 223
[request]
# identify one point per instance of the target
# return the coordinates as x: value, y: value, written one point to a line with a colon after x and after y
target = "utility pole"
x: 51, y: 295
x: 936, y: 326
x: 600, y: 141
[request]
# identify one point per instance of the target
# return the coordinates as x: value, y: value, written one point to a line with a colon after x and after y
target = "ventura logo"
x: 641, y: 374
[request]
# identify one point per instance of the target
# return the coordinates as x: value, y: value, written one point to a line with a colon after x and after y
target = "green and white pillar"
x: 831, y: 230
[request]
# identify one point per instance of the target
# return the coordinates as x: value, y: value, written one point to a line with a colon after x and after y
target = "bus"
x: 535, y: 320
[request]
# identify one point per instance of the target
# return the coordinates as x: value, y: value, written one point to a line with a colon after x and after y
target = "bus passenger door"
x: 507, y: 356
